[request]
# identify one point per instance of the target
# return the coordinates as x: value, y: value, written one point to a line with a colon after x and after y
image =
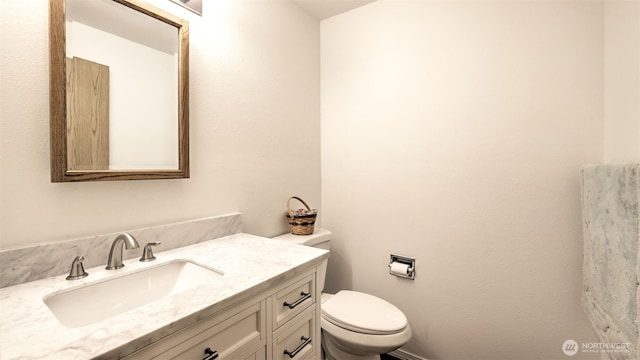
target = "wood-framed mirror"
x: 119, y: 91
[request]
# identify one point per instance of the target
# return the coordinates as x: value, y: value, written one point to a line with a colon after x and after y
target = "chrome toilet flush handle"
x: 147, y: 252
x: 77, y: 269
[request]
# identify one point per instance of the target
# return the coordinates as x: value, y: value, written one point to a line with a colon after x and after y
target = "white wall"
x: 454, y: 132
x: 254, y: 114
x: 621, y: 81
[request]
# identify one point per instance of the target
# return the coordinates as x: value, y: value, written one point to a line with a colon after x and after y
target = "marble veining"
x: 35, y: 262
x: 250, y: 264
x: 611, y: 228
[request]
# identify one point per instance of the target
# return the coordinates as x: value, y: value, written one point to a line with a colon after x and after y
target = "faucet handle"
x: 147, y: 252
x: 77, y: 269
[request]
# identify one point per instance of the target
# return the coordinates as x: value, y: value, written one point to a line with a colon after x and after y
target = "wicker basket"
x: 301, y: 224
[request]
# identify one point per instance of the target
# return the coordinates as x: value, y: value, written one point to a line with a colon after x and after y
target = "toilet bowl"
x: 355, y: 325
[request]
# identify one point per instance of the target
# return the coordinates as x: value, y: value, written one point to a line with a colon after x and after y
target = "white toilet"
x: 355, y: 325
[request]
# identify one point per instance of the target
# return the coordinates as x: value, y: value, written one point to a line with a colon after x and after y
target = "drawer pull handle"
x: 210, y: 354
x: 306, y: 341
x: 304, y: 297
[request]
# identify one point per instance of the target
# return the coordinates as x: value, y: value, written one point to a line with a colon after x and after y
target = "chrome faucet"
x: 77, y: 269
x: 115, y: 255
x: 147, y: 252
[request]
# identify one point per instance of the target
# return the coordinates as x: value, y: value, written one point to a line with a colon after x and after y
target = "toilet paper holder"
x: 397, y: 261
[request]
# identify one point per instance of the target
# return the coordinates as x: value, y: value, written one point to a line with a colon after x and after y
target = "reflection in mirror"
x: 137, y: 103
x: 87, y: 115
x: 119, y: 91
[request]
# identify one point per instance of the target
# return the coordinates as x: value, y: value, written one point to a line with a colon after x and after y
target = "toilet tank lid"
x: 319, y: 235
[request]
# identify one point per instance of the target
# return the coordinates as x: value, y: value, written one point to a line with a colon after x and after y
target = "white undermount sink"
x: 97, y: 301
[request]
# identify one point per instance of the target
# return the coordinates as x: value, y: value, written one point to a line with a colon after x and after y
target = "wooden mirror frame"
x: 58, y: 100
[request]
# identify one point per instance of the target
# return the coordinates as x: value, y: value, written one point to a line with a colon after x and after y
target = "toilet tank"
x: 320, y: 239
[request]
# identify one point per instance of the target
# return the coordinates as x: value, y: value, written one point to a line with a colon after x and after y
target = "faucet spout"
x: 115, y: 255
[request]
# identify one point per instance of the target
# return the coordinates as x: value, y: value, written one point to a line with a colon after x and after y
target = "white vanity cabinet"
x: 263, y: 304
x: 296, y: 333
x: 281, y: 323
x: 235, y: 333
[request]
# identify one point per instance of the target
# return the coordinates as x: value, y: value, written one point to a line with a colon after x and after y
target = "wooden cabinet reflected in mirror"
x: 87, y: 115
x: 118, y: 91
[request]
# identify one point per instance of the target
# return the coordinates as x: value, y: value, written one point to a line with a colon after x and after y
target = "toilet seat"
x: 363, y: 313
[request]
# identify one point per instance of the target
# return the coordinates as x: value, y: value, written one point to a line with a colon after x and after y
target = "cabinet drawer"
x: 234, y: 334
x: 293, y: 299
x: 297, y: 340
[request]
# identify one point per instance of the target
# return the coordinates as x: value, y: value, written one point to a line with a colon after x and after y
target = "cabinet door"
x: 293, y: 299
x: 235, y: 334
x: 258, y: 355
x: 297, y: 340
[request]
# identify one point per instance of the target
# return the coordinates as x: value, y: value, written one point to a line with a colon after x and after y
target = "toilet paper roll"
x: 401, y: 269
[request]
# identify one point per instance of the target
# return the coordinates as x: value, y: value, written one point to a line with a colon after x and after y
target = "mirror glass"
x: 119, y: 88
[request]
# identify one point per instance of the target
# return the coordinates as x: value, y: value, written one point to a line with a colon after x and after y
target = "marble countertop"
x: 251, y: 265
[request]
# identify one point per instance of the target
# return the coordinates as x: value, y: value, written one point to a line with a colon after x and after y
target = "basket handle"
x: 297, y: 198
